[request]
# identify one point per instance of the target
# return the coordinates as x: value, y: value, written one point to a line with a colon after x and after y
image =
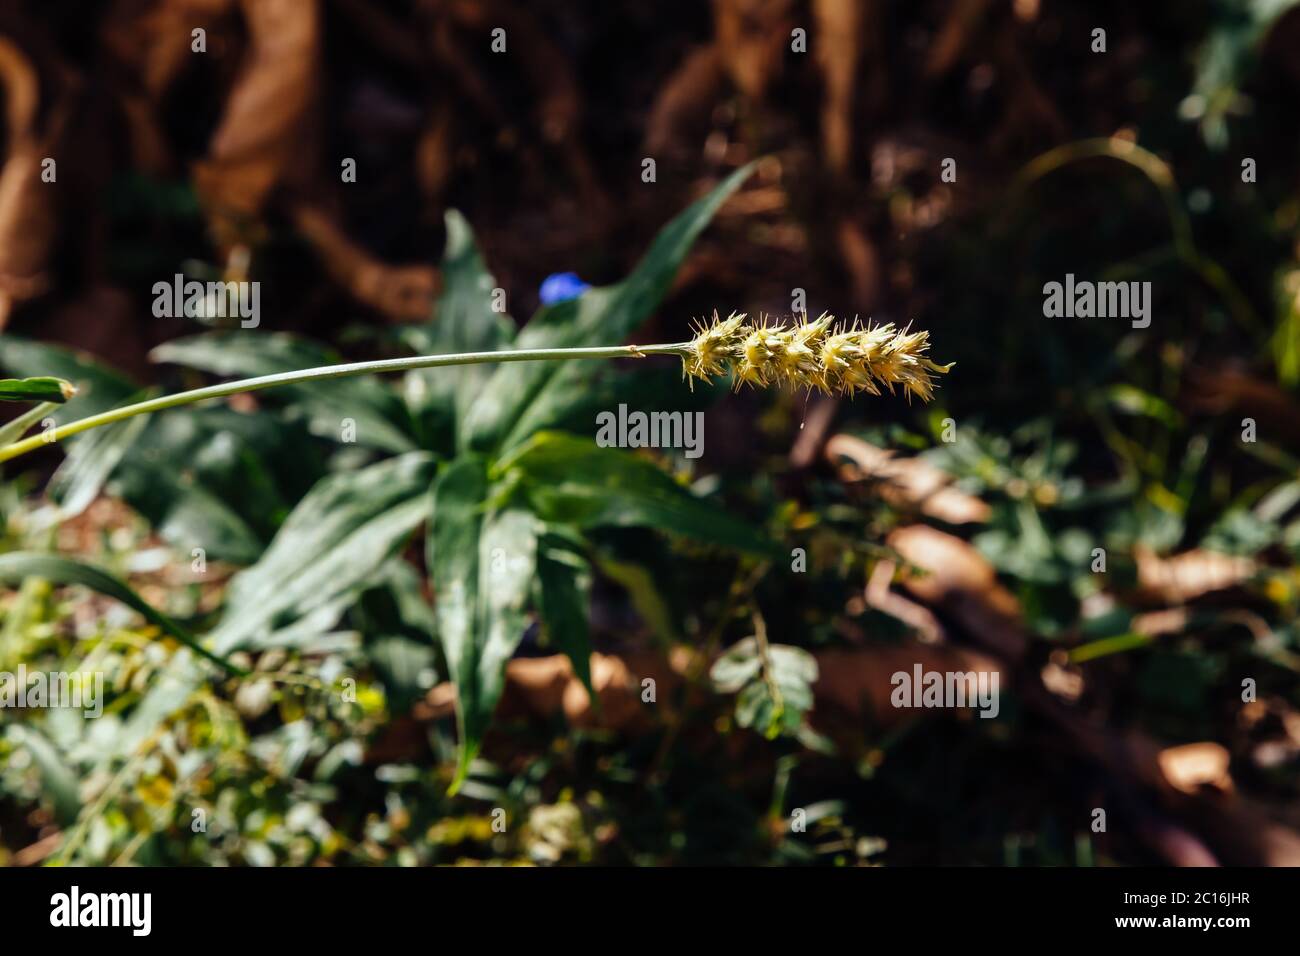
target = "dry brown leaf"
x: 1189, y: 575
x: 906, y: 482
x: 1191, y: 766
x: 403, y: 293
x: 964, y: 585
x: 433, y: 154
x: 962, y: 22
x: 1237, y: 390
x: 862, y: 261
x: 813, y: 431
x: 266, y: 129
x: 28, y: 222
x: 751, y: 37
x: 839, y: 45
x: 857, y: 681
x: 1062, y: 678
x: 684, y: 99
x: 917, y: 616
x: 545, y: 686
x: 149, y: 46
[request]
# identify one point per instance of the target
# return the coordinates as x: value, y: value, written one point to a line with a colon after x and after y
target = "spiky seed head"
x: 758, y: 363
x: 814, y: 354
x: 714, y: 346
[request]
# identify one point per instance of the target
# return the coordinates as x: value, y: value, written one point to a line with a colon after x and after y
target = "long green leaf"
x: 571, y: 480
x: 482, y: 566
x: 13, y: 430
x: 464, y: 321
x: 90, y: 462
x: 58, y: 781
x: 91, y: 459
x: 564, y: 591
x: 517, y: 402
x: 238, y: 478
x: 398, y: 627
x: 335, y: 540
x: 17, y: 566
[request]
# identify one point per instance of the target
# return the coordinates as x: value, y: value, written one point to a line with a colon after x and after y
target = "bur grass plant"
x: 482, y: 447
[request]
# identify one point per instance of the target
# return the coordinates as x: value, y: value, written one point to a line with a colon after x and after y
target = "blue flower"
x: 561, y: 287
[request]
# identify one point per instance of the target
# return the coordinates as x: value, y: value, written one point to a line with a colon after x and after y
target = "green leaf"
x: 482, y: 564
x: 564, y: 592
x: 399, y: 628
x: 1230, y: 49
x: 1136, y: 401
x: 93, y: 457
x: 380, y: 418
x: 463, y: 321
x: 328, y: 548
x: 195, y: 517
x: 773, y: 702
x: 1286, y: 337
x: 521, y: 400
x: 571, y: 480
x: 58, y: 782
x: 42, y: 389
x: 237, y: 479
x: 90, y: 462
x: 99, y: 387
x: 639, y: 385
x: 11, y: 431
x: 17, y: 566
x: 645, y: 590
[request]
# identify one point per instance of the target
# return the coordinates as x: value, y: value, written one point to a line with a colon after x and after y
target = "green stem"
x: 326, y: 372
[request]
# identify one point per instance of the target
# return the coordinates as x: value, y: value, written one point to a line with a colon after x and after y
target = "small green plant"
x: 514, y: 493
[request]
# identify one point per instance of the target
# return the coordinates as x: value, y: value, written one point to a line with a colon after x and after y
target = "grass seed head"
x: 815, y: 354
x: 714, y: 347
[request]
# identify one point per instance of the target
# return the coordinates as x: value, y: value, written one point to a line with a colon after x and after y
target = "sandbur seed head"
x: 814, y: 354
x: 714, y: 346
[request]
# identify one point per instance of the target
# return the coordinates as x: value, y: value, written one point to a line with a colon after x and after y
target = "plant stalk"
x: 164, y: 402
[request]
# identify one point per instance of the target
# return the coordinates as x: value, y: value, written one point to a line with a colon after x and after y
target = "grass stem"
x: 163, y: 402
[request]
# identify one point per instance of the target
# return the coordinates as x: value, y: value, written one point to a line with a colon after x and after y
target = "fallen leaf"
x: 28, y: 223
x: 839, y: 31
x: 267, y: 126
x: 858, y: 681
x: 1189, y: 575
x: 1191, y: 766
x: 960, y: 582
x: 402, y: 293
x: 751, y: 37
x: 906, y: 482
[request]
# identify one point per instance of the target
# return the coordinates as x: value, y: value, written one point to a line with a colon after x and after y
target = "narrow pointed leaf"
x: 483, y: 565
x: 464, y: 320
x: 42, y: 389
x: 519, y: 401
x: 571, y: 480
x: 564, y: 593
x: 11, y: 431
x: 58, y: 781
x: 330, y: 546
x: 17, y: 566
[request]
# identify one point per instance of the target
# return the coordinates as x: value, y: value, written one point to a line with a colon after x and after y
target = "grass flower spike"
x: 714, y: 347
x: 814, y: 354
